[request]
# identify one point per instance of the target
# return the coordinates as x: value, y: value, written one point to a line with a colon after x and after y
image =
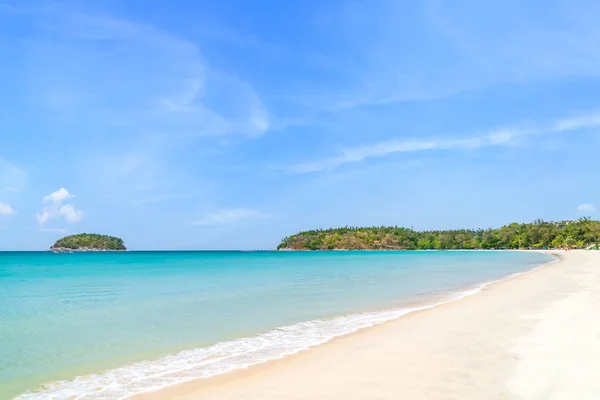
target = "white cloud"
x: 43, y: 216
x: 587, y: 208
x: 6, y: 209
x: 229, y: 217
x: 12, y: 189
x: 56, y: 208
x: 58, y: 197
x: 70, y: 213
x: 493, y: 138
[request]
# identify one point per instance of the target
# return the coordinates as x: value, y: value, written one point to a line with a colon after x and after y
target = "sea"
x: 109, y: 325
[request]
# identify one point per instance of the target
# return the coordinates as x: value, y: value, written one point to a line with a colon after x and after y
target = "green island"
x: 582, y: 233
x: 88, y: 242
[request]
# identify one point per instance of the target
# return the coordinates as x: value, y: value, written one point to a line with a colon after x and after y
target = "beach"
x: 116, y: 324
x: 534, y: 336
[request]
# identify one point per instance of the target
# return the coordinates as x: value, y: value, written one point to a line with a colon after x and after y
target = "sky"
x: 231, y: 124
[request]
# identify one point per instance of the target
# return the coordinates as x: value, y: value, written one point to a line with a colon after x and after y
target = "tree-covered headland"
x: 89, y: 242
x: 536, y: 235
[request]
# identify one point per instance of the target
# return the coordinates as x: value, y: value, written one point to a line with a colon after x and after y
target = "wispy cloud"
x: 450, y: 51
x: 12, y: 189
x: 178, y: 93
x: 56, y: 208
x: 518, y: 52
x: 229, y: 217
x: 144, y: 170
x: 587, y: 208
x: 6, y: 209
x: 495, y: 137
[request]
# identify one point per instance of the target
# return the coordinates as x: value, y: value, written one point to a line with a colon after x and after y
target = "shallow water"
x: 196, y: 314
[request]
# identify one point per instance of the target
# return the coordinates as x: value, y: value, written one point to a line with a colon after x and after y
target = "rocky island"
x: 88, y: 242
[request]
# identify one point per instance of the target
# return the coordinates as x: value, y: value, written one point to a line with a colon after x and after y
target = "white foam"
x: 223, y: 357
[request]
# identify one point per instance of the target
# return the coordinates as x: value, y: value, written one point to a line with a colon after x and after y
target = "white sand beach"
x: 535, y: 336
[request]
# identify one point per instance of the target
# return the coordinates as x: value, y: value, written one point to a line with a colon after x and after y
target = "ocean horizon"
x: 111, y: 324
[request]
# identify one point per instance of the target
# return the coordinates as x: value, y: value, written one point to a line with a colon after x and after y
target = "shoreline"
x: 248, y: 352
x: 346, y: 366
x: 188, y: 388
x: 66, y: 250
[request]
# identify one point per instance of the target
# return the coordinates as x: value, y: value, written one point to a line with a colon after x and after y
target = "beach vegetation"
x: 538, y: 234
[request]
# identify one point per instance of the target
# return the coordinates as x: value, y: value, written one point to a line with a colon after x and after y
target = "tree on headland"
x: 536, y: 235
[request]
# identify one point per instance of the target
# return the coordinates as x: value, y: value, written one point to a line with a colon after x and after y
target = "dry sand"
x: 535, y: 336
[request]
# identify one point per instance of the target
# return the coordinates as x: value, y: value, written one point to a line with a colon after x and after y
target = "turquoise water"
x: 196, y: 314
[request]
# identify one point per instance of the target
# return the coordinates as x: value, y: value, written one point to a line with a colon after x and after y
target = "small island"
x: 583, y: 234
x: 88, y: 242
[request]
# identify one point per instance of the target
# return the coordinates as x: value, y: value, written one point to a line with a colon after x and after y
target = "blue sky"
x: 231, y: 124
